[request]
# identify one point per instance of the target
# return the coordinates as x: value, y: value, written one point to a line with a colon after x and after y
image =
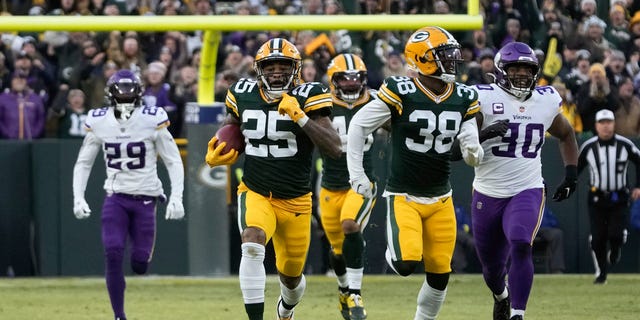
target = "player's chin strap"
x: 445, y: 77
x: 274, y: 94
x: 125, y: 110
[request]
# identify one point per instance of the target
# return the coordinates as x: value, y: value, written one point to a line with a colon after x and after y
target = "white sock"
x: 430, y: 302
x: 503, y: 295
x: 251, y: 273
x: 291, y: 297
x: 355, y: 278
x: 516, y: 312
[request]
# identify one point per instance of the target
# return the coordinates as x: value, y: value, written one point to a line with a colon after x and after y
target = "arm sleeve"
x: 82, y: 168
x: 168, y: 151
x: 370, y: 117
x: 472, y: 151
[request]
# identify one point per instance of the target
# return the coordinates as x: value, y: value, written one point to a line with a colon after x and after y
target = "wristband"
x: 302, y: 121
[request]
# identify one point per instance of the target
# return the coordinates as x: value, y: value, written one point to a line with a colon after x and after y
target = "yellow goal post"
x: 213, y: 26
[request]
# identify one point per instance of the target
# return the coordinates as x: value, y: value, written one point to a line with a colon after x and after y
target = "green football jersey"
x: 278, y: 153
x: 335, y: 175
x: 423, y: 127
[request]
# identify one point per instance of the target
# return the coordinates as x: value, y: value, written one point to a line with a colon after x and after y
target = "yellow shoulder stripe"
x: 318, y: 101
x: 390, y: 98
x: 231, y: 103
x: 474, y: 107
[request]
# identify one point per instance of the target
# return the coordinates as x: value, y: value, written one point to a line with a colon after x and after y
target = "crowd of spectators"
x: 589, y: 51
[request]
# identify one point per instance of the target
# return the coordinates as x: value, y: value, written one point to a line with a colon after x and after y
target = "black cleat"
x: 501, y: 309
x: 516, y: 317
x: 600, y: 280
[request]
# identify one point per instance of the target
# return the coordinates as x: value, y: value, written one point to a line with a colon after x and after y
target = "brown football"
x: 232, y: 135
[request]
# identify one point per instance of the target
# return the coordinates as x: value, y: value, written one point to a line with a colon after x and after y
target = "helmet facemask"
x: 349, y: 85
x: 275, y: 78
x: 125, y: 96
x: 518, y: 84
x: 516, y: 69
x: 446, y: 58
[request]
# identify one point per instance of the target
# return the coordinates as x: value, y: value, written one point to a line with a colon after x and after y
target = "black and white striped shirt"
x: 608, y: 162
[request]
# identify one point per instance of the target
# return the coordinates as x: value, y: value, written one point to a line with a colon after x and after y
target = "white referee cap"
x: 605, y: 114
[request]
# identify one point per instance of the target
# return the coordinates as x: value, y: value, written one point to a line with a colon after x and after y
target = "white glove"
x: 362, y: 185
x: 81, y: 208
x: 175, y: 209
x: 472, y: 151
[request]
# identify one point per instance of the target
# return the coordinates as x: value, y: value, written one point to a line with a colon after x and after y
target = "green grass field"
x: 563, y: 297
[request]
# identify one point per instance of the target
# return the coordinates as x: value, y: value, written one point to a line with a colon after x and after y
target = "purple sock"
x: 115, y: 281
x: 520, y: 275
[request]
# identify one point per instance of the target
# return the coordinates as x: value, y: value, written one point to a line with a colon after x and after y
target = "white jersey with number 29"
x: 130, y: 150
x: 512, y: 163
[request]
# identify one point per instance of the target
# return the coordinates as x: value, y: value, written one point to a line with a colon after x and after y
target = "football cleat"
x: 343, y: 306
x: 501, y: 309
x: 356, y: 307
x: 280, y: 317
x: 601, y: 279
x: 516, y: 317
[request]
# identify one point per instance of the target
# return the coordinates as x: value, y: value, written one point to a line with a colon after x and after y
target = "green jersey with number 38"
x: 278, y: 153
x: 423, y: 127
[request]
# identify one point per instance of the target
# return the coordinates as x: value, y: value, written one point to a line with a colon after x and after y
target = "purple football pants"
x: 504, y: 229
x: 126, y: 215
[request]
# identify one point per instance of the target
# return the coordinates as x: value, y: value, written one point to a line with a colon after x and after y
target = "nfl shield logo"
x: 522, y: 109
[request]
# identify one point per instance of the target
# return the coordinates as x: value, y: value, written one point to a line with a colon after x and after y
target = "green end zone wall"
x: 40, y: 236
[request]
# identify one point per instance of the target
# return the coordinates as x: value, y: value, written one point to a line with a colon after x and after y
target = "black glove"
x: 568, y: 186
x: 498, y: 128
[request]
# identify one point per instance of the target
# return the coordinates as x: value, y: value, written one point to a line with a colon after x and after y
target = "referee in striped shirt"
x: 607, y: 156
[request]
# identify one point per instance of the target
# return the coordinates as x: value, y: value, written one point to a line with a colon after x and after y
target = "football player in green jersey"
x: 281, y: 121
x: 345, y: 213
x: 427, y: 112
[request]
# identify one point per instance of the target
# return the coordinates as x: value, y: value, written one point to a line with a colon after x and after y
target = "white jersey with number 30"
x: 512, y: 163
